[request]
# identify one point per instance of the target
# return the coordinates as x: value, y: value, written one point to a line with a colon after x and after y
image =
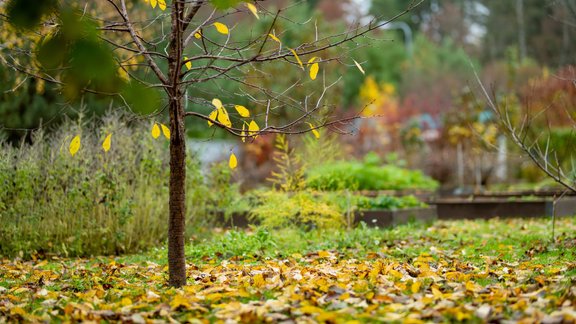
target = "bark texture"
x: 176, y: 228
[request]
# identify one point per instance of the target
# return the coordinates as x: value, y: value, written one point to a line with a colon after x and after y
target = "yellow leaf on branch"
x: 155, y: 131
x: 223, y: 117
x: 242, y: 111
x: 253, y: 10
x: 221, y: 28
x: 297, y: 58
x: 233, y: 162
x: 359, y: 67
x: 314, y: 71
x: 243, y: 133
x: 198, y: 34
x: 213, y: 115
x: 217, y: 103
x: 314, y: 131
x: 253, y: 128
x: 162, y: 4
x: 74, y: 145
x: 153, y: 3
x: 188, y: 64
x: 165, y: 131
x: 107, y: 143
x: 275, y: 38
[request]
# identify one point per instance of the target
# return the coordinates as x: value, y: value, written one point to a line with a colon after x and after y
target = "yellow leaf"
x: 123, y: 74
x: 233, y: 162
x: 396, y: 274
x: 437, y: 293
x: 311, y: 310
x: 165, y: 131
x: 359, y: 67
x: 253, y: 9
x: 126, y: 301
x: 162, y: 4
x: 314, y: 131
x: 74, y: 145
x: 198, y: 34
x: 314, y: 71
x: 223, y: 117
x: 107, y: 142
x: 275, y: 38
x: 416, y: 287
x: 253, y: 128
x: 243, y: 133
x: 297, y: 58
x: 17, y: 311
x: 312, y: 60
x: 212, y: 116
x: 259, y: 280
x: 221, y: 28
x: 155, y: 131
x: 153, y: 3
x: 180, y: 301
x: 323, y: 254
x: 188, y: 64
x: 242, y: 111
x: 217, y: 103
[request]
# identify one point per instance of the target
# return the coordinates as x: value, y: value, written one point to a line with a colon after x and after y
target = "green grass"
x: 455, y: 263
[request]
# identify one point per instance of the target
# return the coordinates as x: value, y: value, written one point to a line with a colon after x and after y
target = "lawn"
x: 448, y: 271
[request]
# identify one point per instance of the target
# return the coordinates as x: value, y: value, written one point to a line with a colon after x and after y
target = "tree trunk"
x: 176, y: 258
x: 176, y: 228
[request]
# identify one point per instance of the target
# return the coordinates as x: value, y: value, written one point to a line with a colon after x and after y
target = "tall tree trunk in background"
x: 521, y: 29
x: 176, y: 228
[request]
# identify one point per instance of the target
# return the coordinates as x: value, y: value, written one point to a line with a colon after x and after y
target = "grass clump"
x: 93, y: 203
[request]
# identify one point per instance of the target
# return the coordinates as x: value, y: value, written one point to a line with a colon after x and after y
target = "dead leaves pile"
x: 324, y: 286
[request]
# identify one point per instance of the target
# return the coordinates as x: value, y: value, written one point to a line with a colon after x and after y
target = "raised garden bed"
x: 372, y: 218
x: 486, y: 207
x: 387, y: 218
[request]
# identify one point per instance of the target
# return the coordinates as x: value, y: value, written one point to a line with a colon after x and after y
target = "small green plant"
x: 304, y: 209
x: 367, y: 175
x: 290, y: 174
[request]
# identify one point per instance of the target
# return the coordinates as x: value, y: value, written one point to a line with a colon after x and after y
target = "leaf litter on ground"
x: 495, y: 270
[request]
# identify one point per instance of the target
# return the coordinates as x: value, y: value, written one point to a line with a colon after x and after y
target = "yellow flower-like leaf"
x: 155, y: 131
x: 162, y: 4
x: 297, y: 58
x: 217, y: 103
x: 312, y: 60
x: 188, y: 64
x: 223, y: 117
x: 252, y: 9
x: 221, y: 28
x: 275, y: 38
x: 242, y: 111
x: 165, y: 131
x: 107, y: 142
x: 74, y: 145
x: 314, y: 131
x: 153, y: 3
x: 359, y: 67
x: 243, y: 133
x: 213, y: 115
x: 198, y: 34
x: 314, y: 71
x: 253, y: 128
x: 233, y: 162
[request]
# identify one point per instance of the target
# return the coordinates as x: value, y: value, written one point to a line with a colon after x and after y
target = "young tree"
x: 110, y: 48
